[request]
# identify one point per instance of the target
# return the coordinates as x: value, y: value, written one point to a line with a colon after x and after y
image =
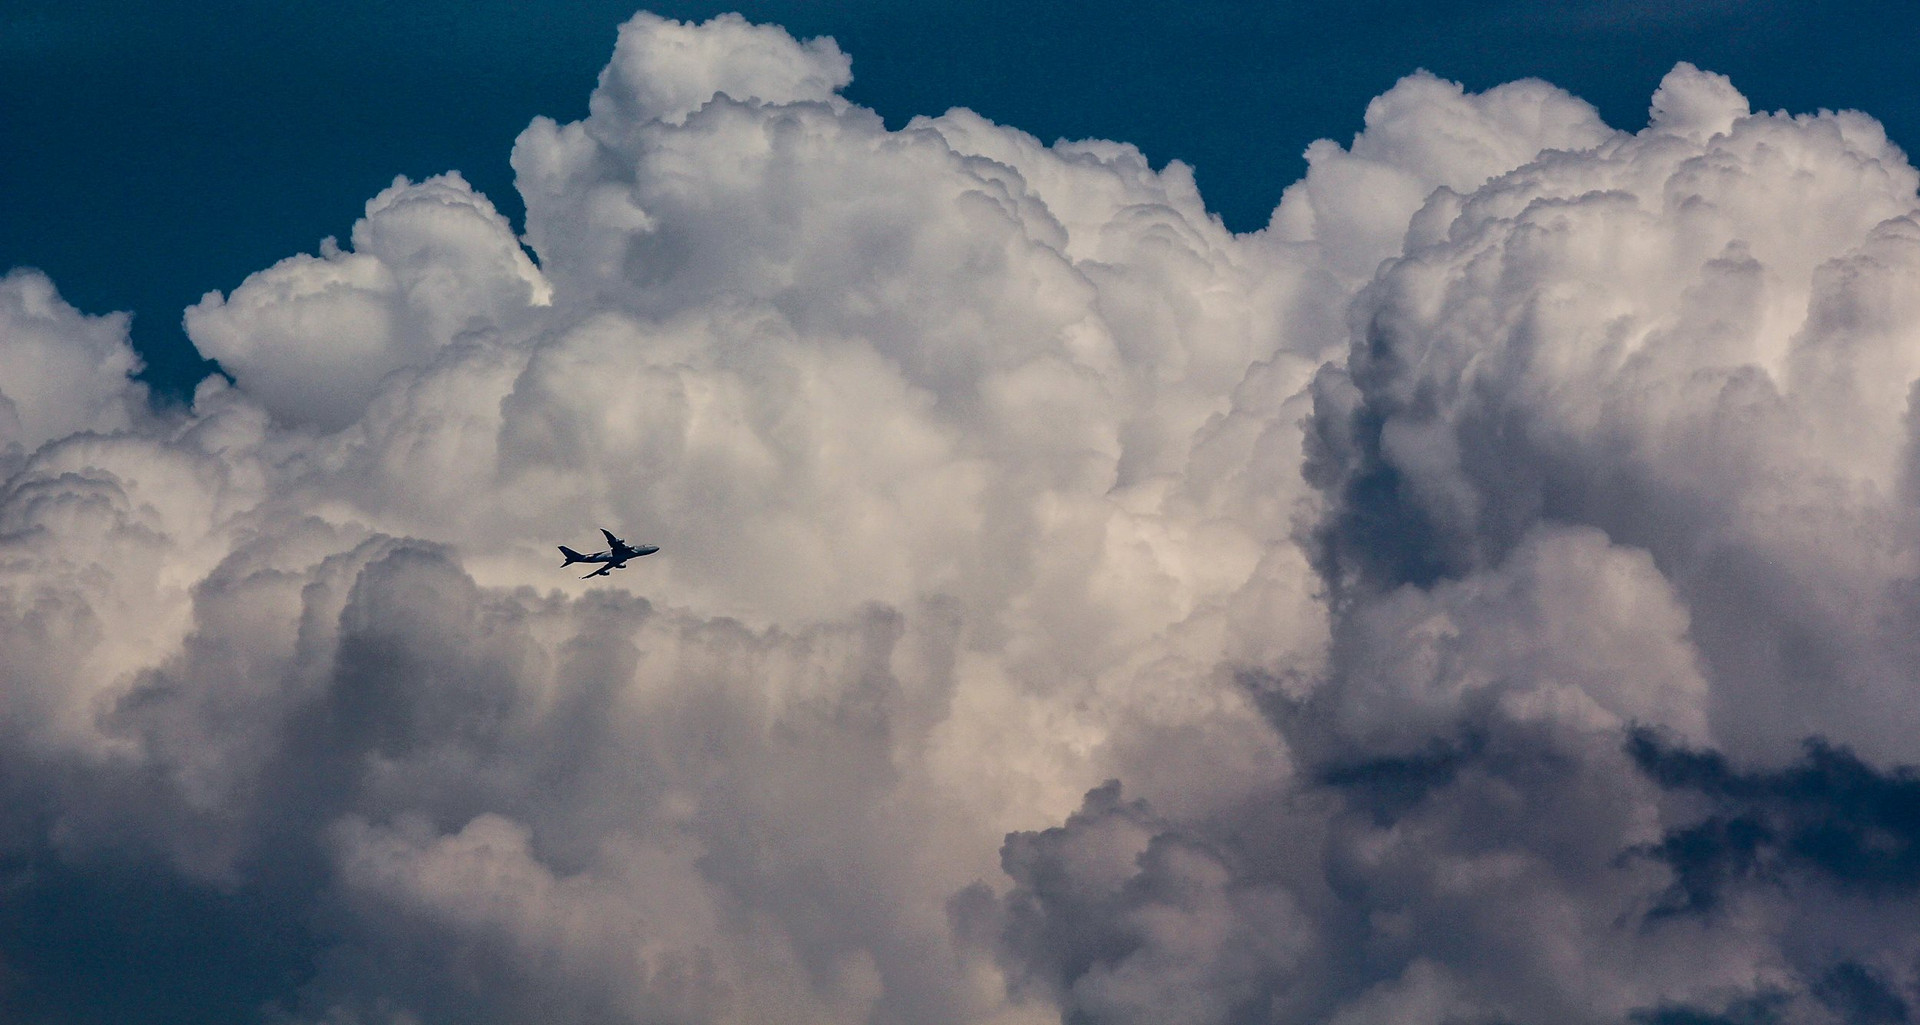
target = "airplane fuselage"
x: 615, y: 557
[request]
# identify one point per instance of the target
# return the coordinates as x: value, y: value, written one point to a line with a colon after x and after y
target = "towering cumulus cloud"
x: 1485, y: 595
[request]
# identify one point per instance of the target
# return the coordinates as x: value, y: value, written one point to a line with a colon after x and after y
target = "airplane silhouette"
x: 615, y: 557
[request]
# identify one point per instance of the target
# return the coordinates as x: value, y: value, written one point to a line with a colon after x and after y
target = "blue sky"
x: 156, y: 151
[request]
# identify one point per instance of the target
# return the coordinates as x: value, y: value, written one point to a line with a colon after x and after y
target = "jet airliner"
x: 615, y: 557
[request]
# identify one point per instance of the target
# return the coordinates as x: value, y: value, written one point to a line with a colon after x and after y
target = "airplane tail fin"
x: 572, y: 556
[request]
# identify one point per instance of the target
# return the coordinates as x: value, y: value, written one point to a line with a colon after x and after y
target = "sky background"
x: 157, y: 151
x: 1489, y: 594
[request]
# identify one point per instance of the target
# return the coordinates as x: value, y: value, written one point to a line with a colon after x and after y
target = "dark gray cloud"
x: 1119, y: 915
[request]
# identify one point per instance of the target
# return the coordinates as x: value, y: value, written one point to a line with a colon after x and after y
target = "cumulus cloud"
x: 64, y: 372
x: 1483, y: 595
x: 312, y: 338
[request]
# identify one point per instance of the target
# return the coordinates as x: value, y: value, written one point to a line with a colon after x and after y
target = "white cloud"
x: 1424, y: 133
x: 312, y: 339
x: 1697, y: 104
x: 1648, y: 339
x: 61, y: 372
x: 986, y: 471
x: 664, y: 70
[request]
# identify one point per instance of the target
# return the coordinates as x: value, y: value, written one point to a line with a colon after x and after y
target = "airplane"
x: 615, y: 557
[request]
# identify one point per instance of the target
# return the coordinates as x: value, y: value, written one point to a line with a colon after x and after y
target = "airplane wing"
x: 601, y: 572
x: 612, y: 542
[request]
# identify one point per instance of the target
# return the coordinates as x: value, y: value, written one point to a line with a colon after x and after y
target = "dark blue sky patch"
x: 139, y: 945
x: 1389, y: 787
x: 1859, y: 995
x: 1829, y: 817
x: 1760, y: 1009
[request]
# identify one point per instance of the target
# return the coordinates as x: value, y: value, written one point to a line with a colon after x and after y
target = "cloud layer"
x: 1484, y: 595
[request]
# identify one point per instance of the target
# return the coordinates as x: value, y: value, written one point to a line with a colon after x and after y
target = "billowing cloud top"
x: 1487, y: 594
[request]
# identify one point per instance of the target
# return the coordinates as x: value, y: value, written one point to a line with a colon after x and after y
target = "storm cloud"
x: 1487, y: 594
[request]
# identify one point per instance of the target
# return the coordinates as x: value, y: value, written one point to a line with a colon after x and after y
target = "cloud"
x: 1583, y: 469
x: 312, y: 338
x: 1067, y: 609
x: 1620, y: 339
x: 1426, y: 133
x: 1118, y: 917
x: 64, y: 372
x: 664, y: 70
